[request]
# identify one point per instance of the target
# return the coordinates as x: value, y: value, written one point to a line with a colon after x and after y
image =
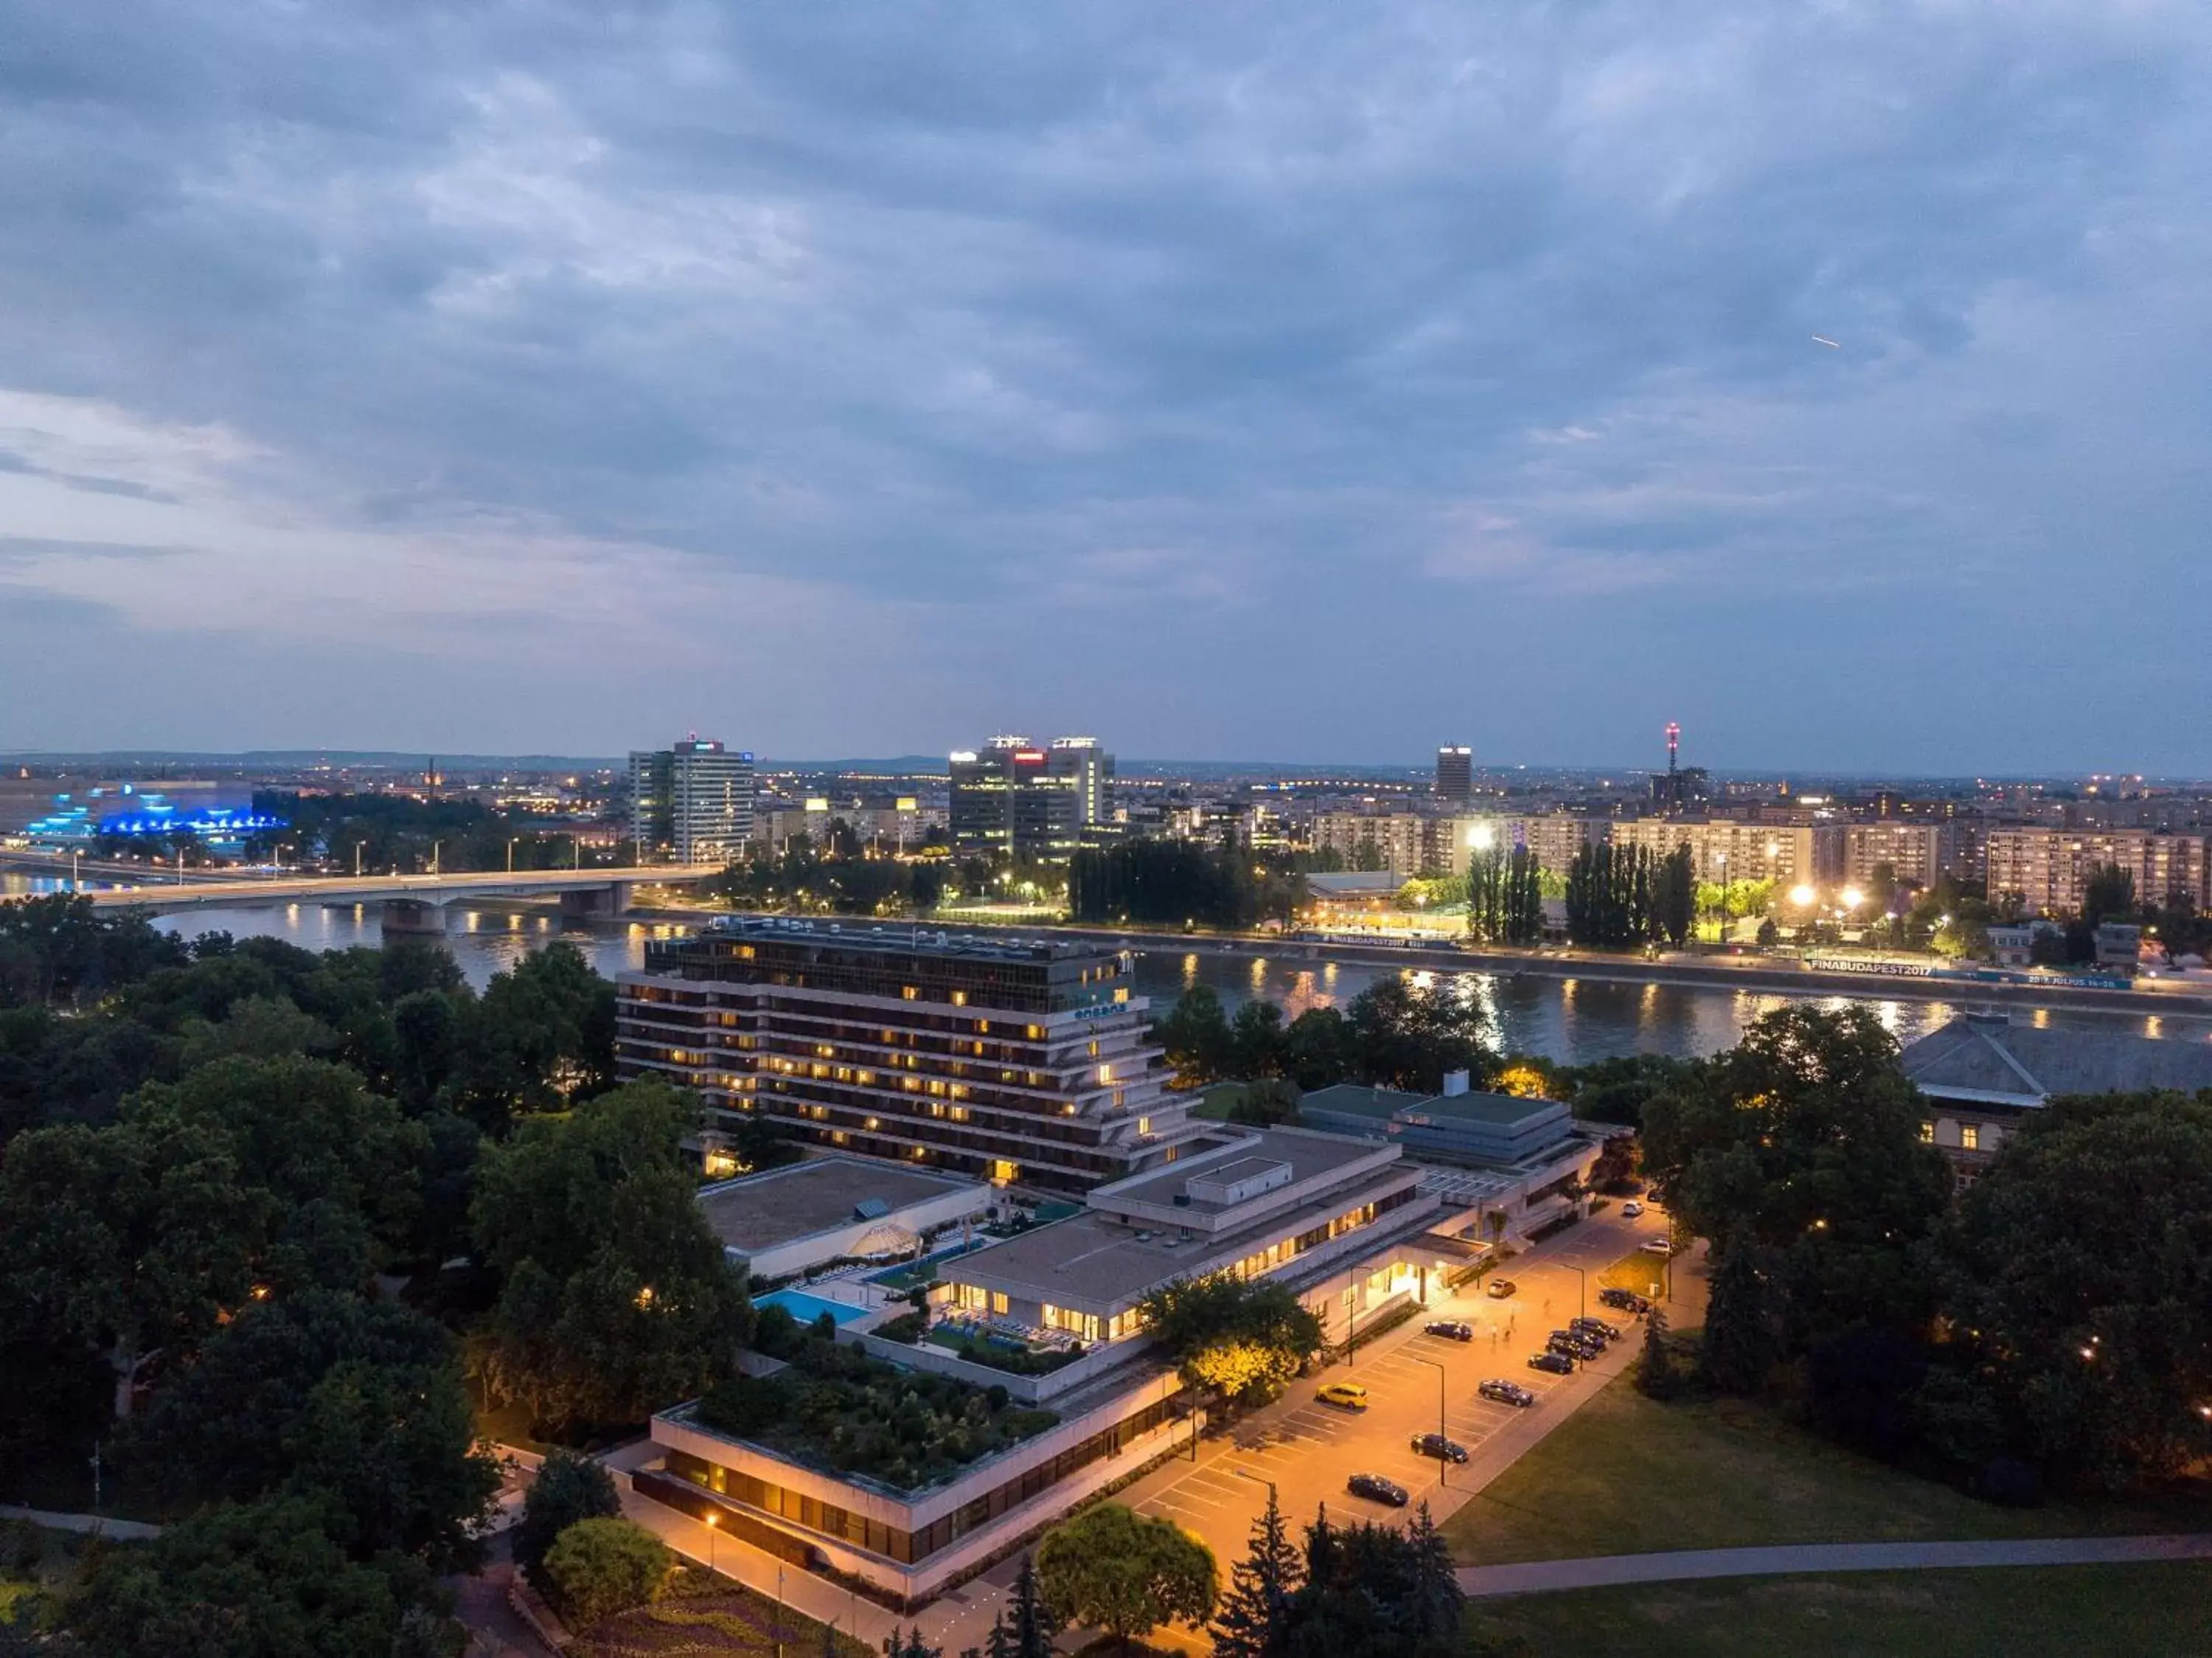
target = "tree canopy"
x: 1114, y: 1569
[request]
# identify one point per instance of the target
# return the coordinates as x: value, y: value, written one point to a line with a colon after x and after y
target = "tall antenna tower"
x: 1674, y: 743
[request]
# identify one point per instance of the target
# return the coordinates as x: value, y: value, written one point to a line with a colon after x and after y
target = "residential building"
x: 690, y: 803
x: 1456, y: 774
x: 1784, y: 854
x: 1982, y: 1074
x: 1035, y: 804
x: 2048, y: 870
x: 1409, y: 844
x: 1028, y: 1063
x: 1916, y: 853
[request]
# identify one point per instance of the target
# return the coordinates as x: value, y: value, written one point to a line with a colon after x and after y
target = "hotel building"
x: 1022, y: 1064
x: 1343, y: 1222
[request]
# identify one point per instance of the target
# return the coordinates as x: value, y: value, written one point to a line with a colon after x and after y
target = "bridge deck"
x: 371, y: 889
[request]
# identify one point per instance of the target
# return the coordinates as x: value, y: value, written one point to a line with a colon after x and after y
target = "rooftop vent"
x: 1455, y: 1083
x: 871, y: 1209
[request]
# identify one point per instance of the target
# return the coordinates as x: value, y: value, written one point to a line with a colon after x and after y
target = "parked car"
x: 1597, y: 1327
x: 1558, y: 1364
x: 1656, y: 1247
x: 1499, y: 1391
x: 1451, y: 1328
x: 1435, y: 1445
x: 1585, y: 1348
x: 1500, y: 1288
x: 1345, y: 1395
x: 1631, y: 1209
x: 1626, y: 1300
x: 1375, y: 1489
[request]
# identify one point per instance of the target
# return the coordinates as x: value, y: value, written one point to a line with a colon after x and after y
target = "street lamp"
x: 1246, y: 1473
x: 1444, y: 1462
x: 714, y: 1530
x: 1583, y: 1294
x: 510, y: 854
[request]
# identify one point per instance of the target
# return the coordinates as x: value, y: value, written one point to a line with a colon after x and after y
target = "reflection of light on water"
x: 2042, y: 1019
x: 1260, y: 975
x: 1328, y: 971
x: 1190, y: 970
x: 2153, y: 1027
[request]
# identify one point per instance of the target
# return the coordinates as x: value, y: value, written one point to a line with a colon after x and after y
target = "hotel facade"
x: 1027, y: 1064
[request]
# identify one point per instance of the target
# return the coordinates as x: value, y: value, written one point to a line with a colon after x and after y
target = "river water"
x: 1572, y: 1021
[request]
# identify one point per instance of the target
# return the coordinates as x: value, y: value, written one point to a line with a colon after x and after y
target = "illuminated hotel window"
x: 910, y: 992
x: 1970, y: 1136
x: 1004, y: 1172
x: 959, y: 998
x: 998, y: 1301
x: 1927, y: 1133
x: 1144, y: 1125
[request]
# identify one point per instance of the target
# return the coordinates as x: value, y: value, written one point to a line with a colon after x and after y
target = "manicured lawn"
x: 1634, y: 1270
x: 1217, y: 1101
x: 1626, y: 1476
x: 2150, y: 1611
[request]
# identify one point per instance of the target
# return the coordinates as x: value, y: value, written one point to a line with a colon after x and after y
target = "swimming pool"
x: 806, y: 1308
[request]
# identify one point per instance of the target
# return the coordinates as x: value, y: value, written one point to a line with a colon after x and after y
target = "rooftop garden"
x: 836, y: 1409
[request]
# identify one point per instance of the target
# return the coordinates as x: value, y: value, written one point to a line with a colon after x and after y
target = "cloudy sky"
x: 1306, y: 381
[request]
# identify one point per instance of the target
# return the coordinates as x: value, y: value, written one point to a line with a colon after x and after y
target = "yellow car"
x: 1345, y: 1395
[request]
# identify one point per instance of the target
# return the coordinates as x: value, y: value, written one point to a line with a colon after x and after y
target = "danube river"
x: 1573, y: 1021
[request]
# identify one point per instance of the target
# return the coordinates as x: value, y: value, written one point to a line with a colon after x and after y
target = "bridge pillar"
x: 611, y: 900
x: 405, y: 917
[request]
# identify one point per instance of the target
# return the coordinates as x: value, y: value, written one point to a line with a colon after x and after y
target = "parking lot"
x: 1309, y: 1450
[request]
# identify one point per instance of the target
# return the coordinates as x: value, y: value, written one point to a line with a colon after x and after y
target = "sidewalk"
x: 128, y: 1530
x: 1599, y: 1571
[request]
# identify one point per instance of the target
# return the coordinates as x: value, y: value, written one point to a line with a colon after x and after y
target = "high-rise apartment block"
x: 1020, y: 1063
x: 2048, y: 870
x: 1456, y: 774
x: 1916, y: 853
x: 1034, y: 803
x: 1725, y: 848
x: 691, y: 803
x: 1418, y: 842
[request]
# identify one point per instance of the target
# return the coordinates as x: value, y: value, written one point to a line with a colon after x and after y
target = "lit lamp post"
x: 1721, y: 860
x: 510, y: 854
x: 1444, y: 1462
x: 714, y: 1530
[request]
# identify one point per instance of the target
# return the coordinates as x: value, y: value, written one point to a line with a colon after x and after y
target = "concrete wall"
x: 1031, y: 1390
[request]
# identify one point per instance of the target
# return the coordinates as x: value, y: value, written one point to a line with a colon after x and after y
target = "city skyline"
x: 455, y: 382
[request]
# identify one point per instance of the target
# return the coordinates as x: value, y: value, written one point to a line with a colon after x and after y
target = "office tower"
x: 1033, y: 803
x: 692, y: 803
x: 1456, y: 774
x: 1018, y: 1062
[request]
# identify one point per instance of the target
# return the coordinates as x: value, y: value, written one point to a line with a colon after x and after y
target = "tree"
x: 541, y: 1037
x: 1266, y: 1103
x: 911, y: 1645
x: 1114, y: 1570
x: 618, y: 1299
x: 325, y: 1392
x: 1673, y: 897
x: 1196, y: 1036
x: 1317, y: 1049
x: 1255, y: 1614
x: 1032, y: 1629
x: 1372, y: 1591
x: 2075, y: 1283
x: 128, y: 1240
x: 256, y: 1581
x: 2109, y: 894
x: 597, y: 1568
x: 1655, y: 1374
x: 1805, y: 1140
x: 1241, y: 1339
x: 1402, y: 1037
x: 304, y: 1130
x: 568, y: 1487
x: 1255, y: 1040
x: 1740, y: 1344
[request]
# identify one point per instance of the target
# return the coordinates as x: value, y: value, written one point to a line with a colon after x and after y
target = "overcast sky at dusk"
x: 1300, y: 381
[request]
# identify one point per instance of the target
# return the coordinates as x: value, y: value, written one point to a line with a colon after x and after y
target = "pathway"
x: 1600, y: 1572
x: 129, y: 1530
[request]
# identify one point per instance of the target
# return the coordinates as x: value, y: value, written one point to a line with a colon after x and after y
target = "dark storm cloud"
x: 1149, y: 367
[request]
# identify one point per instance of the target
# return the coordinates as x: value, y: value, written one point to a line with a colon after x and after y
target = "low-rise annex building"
x: 787, y: 1222
x: 1343, y: 1222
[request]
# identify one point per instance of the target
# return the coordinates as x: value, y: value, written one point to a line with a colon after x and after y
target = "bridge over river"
x: 409, y: 903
